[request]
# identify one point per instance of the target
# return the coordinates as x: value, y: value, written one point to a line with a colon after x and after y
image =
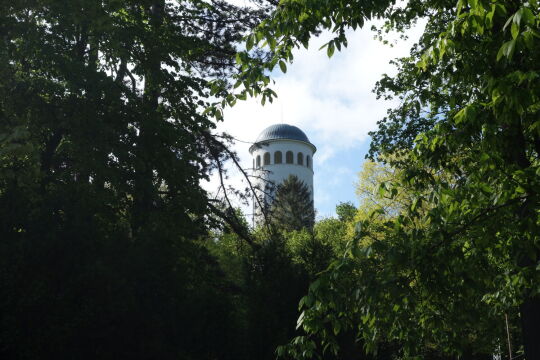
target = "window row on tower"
x: 278, y: 159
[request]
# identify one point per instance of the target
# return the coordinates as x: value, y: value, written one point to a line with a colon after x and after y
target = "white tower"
x: 280, y: 150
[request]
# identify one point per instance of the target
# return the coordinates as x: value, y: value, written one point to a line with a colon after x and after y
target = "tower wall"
x: 268, y: 176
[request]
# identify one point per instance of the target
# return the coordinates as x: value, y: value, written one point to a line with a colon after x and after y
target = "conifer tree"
x: 292, y: 207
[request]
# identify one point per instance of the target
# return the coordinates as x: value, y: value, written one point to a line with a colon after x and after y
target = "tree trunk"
x: 144, y: 186
x: 530, y: 325
x: 530, y: 308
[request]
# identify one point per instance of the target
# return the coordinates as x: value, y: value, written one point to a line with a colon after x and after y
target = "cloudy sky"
x: 331, y: 100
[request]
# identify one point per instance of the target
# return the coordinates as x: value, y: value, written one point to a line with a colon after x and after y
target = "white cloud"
x: 330, y: 99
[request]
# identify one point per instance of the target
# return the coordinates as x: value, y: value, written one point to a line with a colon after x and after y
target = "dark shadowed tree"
x: 292, y: 206
x: 103, y: 144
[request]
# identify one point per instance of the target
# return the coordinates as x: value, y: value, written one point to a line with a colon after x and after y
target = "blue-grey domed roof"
x: 282, y: 131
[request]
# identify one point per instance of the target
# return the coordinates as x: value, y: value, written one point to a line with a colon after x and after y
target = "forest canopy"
x: 461, y: 252
x: 110, y: 247
x: 103, y: 146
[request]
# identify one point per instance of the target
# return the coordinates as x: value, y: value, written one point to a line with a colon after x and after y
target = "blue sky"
x: 331, y: 100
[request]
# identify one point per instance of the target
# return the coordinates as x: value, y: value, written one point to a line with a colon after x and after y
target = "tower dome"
x: 280, y: 150
x: 281, y: 132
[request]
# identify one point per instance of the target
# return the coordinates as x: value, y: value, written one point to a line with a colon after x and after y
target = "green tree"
x: 103, y: 144
x: 466, y: 130
x: 274, y: 286
x: 292, y: 206
x: 345, y: 211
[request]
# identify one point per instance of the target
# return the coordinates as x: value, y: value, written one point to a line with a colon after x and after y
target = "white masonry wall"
x: 271, y: 175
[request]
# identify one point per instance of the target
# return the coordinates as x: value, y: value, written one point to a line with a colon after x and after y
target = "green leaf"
x: 330, y: 49
x: 249, y: 42
x: 337, y: 327
x: 416, y: 202
x: 283, y: 66
x: 300, y: 320
x: 271, y: 42
x: 508, y: 22
x: 459, y: 6
x: 510, y: 49
x: 528, y: 16
x: 489, y: 17
x: 315, y: 285
x: 507, y: 50
x: 382, y: 189
x: 514, y: 30
x: 517, y: 16
x: 462, y: 115
x: 528, y: 39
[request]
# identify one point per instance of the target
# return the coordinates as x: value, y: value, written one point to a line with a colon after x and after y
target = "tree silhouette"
x: 292, y: 207
x: 103, y: 145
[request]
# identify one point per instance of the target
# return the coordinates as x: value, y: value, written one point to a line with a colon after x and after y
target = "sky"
x: 332, y: 101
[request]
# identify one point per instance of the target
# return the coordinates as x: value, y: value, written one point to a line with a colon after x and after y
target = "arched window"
x: 308, y: 161
x: 289, y: 157
x: 300, y: 159
x: 266, y: 159
x: 258, y: 161
x: 254, y: 163
x: 278, y: 158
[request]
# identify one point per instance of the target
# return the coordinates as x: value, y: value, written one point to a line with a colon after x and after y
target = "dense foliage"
x: 271, y: 276
x: 462, y: 253
x: 110, y: 248
x: 103, y: 144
